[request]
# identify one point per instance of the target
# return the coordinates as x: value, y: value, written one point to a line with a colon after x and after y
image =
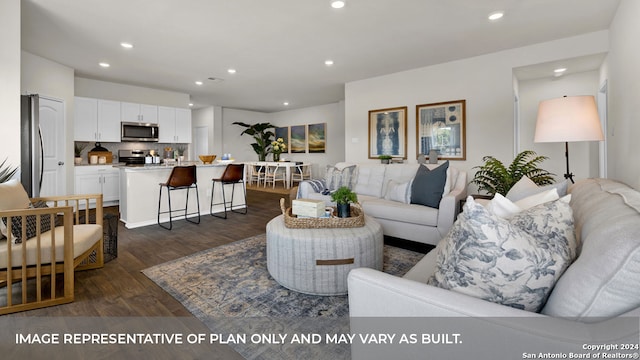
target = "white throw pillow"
x: 526, y: 187
x: 505, y: 208
x: 398, y: 191
x: 336, y: 178
x: 513, y: 262
x: 12, y: 196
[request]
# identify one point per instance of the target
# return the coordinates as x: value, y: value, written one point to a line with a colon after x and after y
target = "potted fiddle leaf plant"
x: 494, y: 177
x: 343, y: 197
x: 261, y: 134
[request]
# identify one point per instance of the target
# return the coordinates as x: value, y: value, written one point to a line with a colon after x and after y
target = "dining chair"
x: 274, y: 172
x: 180, y: 178
x: 301, y: 172
x: 256, y: 172
x: 233, y: 174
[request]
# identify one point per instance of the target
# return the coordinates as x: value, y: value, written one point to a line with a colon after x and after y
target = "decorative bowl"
x: 207, y: 159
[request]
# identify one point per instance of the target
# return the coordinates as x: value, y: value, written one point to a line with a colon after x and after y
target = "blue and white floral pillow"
x: 514, y: 262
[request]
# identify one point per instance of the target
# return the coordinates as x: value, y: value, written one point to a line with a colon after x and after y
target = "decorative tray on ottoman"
x: 294, y: 222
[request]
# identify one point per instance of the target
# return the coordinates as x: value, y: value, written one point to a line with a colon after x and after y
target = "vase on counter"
x: 77, y: 160
x: 276, y: 157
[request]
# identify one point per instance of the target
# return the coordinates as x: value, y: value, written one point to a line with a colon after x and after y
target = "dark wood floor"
x: 120, y: 289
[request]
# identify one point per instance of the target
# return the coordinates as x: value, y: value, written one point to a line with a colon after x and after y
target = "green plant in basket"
x: 343, y: 197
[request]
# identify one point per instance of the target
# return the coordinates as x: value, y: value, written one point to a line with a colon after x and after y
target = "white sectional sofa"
x: 399, y: 219
x: 585, y: 306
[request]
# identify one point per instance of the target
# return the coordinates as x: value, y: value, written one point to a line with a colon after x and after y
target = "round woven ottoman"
x: 317, y: 261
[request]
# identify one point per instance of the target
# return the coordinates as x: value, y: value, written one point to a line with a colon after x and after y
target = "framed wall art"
x: 441, y: 127
x: 388, y: 132
x: 298, y: 140
x: 283, y: 132
x: 317, y: 134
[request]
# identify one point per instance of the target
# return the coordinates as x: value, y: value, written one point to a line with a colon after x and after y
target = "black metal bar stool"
x: 233, y: 174
x: 181, y: 178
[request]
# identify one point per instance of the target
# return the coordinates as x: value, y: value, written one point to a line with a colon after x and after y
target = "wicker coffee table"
x: 317, y: 261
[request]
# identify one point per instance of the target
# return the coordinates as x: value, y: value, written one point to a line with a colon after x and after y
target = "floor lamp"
x: 568, y: 119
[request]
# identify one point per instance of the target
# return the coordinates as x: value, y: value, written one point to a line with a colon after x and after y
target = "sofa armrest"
x: 450, y: 204
x: 374, y: 294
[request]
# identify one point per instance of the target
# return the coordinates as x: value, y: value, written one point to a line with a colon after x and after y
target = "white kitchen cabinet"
x: 174, y: 125
x: 98, y: 179
x: 96, y: 120
x: 132, y: 112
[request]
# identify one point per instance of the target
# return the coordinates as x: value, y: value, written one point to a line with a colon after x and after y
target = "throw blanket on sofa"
x: 318, y: 186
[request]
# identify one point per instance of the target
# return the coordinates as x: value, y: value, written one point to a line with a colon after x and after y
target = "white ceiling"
x: 279, y: 46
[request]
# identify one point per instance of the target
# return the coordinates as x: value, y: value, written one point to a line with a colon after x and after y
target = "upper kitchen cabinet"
x: 132, y: 112
x: 174, y: 125
x: 96, y: 120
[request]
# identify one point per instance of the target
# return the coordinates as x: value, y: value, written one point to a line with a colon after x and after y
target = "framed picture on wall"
x: 317, y: 137
x: 388, y: 132
x: 283, y: 132
x: 441, y: 127
x: 298, y: 140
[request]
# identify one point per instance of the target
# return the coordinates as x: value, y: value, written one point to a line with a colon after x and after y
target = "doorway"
x: 52, y: 125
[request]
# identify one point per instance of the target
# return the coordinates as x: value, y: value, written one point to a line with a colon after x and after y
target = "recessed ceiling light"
x: 285, y: 103
x: 190, y: 104
x: 328, y: 62
x: 337, y: 4
x: 104, y: 64
x: 198, y: 82
x: 496, y: 15
x: 231, y: 71
x: 559, y: 70
x: 126, y: 45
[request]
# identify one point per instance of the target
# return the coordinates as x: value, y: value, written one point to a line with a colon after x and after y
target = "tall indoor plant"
x: 343, y: 197
x: 7, y: 171
x: 262, y: 136
x: 494, y: 177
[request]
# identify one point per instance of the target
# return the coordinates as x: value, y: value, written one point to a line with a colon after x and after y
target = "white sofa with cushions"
x: 579, y: 306
x: 384, y: 191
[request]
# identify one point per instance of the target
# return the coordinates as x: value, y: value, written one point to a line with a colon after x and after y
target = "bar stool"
x: 181, y: 178
x: 233, y: 174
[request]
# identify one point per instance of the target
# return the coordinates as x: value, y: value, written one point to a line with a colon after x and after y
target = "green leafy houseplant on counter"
x: 262, y: 136
x: 384, y: 159
x: 343, y: 197
x: 496, y: 178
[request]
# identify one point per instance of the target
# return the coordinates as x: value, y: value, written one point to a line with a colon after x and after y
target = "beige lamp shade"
x: 568, y: 119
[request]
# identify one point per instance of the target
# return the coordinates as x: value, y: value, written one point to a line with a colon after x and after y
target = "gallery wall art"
x: 317, y: 137
x: 388, y: 132
x: 298, y: 140
x: 441, y: 127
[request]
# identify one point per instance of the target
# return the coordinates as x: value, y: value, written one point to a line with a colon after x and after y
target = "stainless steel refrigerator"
x: 31, y: 148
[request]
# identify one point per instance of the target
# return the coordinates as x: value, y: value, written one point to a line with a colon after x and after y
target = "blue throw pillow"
x: 428, y: 185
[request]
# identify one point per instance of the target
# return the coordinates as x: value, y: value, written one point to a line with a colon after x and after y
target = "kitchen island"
x: 139, y: 192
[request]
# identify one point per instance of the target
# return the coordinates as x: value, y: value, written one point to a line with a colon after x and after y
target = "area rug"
x: 230, y: 290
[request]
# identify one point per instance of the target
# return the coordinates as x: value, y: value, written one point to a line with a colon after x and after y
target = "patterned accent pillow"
x: 514, y: 262
x: 336, y: 178
x: 397, y: 191
x: 16, y: 223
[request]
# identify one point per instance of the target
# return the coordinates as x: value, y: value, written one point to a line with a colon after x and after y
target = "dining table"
x: 288, y: 165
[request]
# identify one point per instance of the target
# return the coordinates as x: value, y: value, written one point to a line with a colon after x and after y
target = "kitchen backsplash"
x: 114, y: 147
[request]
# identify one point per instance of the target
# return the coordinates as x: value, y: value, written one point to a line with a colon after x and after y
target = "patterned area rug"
x: 230, y: 290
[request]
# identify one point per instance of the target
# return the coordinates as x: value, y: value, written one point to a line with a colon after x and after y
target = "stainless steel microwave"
x: 139, y: 132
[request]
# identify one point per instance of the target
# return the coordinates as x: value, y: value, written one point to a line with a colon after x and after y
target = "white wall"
x: 624, y: 94
x: 583, y: 160
x: 10, y: 80
x: 47, y: 78
x: 129, y: 93
x: 333, y: 116
x: 485, y: 82
x: 239, y: 146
